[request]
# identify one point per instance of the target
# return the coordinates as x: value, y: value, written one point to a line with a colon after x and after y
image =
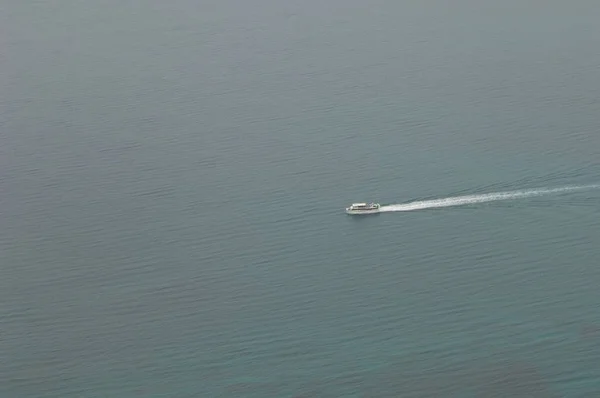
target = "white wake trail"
x: 488, y: 197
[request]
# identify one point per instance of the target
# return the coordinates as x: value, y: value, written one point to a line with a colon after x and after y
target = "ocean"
x: 173, y: 179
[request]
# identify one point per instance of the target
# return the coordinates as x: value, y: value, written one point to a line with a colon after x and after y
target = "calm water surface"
x: 173, y: 179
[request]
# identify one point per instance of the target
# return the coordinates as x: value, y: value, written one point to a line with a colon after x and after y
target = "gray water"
x: 173, y: 177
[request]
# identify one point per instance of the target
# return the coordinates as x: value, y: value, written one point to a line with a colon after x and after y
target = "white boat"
x: 363, y: 208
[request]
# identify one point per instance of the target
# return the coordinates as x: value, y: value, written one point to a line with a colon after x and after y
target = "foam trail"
x: 488, y: 197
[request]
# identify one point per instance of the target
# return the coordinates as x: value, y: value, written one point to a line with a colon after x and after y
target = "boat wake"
x: 483, y: 198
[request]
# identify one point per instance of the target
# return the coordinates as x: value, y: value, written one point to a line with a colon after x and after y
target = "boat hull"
x: 361, y: 212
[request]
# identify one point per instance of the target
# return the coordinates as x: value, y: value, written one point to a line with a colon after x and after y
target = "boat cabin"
x: 364, y: 206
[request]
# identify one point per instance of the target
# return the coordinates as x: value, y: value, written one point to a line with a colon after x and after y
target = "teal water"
x: 173, y: 177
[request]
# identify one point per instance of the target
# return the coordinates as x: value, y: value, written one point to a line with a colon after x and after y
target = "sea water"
x: 174, y: 177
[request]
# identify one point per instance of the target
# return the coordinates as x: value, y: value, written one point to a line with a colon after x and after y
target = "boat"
x: 363, y: 208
